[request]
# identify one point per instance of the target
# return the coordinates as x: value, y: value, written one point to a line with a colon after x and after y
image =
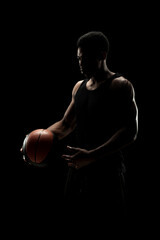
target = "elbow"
x: 131, y: 137
x: 133, y: 132
x: 133, y: 127
x: 134, y: 137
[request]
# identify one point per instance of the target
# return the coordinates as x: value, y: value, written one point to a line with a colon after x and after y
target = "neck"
x: 102, y: 75
x: 95, y: 81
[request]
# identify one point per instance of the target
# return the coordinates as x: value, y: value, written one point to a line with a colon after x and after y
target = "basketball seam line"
x: 37, y: 144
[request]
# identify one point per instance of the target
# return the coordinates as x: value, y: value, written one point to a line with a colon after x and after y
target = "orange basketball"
x: 37, y: 145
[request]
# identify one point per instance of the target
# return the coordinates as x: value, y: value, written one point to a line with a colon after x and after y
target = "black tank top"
x: 96, y: 112
x: 98, y: 117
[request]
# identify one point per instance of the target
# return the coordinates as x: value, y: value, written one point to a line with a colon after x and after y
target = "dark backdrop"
x: 41, y: 69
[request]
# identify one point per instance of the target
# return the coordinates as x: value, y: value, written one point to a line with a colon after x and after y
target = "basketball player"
x: 104, y: 117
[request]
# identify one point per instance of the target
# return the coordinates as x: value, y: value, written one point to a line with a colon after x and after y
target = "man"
x: 104, y: 116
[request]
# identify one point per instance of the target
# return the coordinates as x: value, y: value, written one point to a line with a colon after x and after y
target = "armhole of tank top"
x: 80, y: 86
x: 119, y: 74
x: 116, y: 75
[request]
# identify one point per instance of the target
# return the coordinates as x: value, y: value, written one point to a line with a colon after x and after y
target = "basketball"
x: 37, y: 145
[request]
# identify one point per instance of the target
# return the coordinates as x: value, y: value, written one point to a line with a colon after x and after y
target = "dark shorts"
x: 96, y: 192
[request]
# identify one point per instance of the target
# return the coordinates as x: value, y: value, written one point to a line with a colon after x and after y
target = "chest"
x: 95, y: 103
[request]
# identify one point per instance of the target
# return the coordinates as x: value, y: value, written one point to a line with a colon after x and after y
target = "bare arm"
x: 119, y: 140
x: 67, y: 124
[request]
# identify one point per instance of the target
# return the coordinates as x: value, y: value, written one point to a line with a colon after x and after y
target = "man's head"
x: 93, y: 43
x: 92, y: 50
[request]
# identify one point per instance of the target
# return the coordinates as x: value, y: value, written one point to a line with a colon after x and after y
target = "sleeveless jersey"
x: 98, y: 114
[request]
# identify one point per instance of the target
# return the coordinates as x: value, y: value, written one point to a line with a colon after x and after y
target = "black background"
x: 40, y: 70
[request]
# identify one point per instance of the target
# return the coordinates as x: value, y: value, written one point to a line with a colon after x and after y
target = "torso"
x: 98, y: 112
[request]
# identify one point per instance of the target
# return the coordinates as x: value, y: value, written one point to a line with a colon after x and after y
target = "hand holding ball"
x: 37, y: 145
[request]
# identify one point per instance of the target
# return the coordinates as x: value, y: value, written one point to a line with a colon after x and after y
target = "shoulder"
x: 76, y: 87
x: 121, y: 83
x: 123, y: 87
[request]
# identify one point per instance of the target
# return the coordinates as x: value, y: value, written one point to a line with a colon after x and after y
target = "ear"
x: 104, y: 55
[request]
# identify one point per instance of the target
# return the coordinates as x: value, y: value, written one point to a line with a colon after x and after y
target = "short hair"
x: 93, y: 41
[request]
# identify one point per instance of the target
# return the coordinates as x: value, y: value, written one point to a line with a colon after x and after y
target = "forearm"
x: 60, y: 129
x: 119, y: 140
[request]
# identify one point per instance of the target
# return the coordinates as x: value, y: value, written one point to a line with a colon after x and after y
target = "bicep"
x: 127, y: 104
x: 131, y: 111
x: 128, y: 110
x: 131, y: 104
x: 69, y: 118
